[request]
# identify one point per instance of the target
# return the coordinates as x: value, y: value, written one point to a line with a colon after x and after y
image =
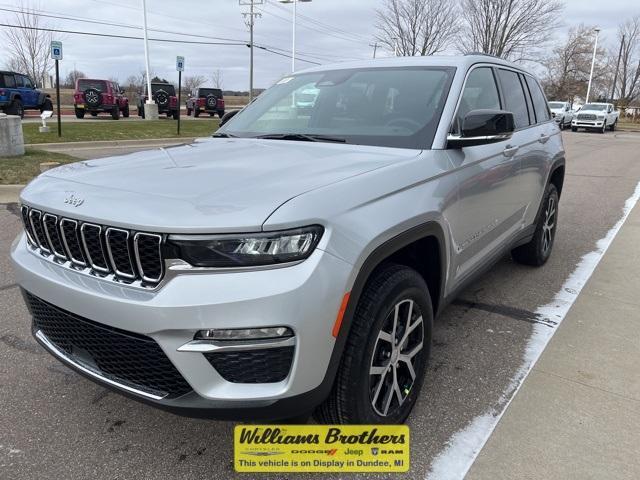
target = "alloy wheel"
x: 548, y: 225
x: 396, y: 354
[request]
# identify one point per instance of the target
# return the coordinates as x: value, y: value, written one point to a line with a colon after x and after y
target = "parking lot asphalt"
x: 55, y: 423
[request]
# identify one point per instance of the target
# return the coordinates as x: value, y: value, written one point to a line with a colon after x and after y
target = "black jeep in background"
x: 164, y: 95
x: 208, y: 100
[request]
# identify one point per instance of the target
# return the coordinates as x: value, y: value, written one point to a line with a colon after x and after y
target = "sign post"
x: 180, y: 69
x: 56, y: 54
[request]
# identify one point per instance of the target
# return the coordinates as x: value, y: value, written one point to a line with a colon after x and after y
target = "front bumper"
x: 587, y: 123
x: 305, y: 297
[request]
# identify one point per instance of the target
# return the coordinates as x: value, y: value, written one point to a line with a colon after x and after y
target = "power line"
x: 168, y: 40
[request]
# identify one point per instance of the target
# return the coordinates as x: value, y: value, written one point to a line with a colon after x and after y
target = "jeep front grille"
x: 108, y: 252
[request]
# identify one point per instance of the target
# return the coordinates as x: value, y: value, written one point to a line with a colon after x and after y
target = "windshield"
x: 556, y: 105
x: 167, y: 87
x: 593, y: 106
x: 396, y: 107
x: 205, y: 92
x: 99, y: 85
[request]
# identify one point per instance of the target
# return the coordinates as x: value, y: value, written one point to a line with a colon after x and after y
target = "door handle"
x: 510, y: 150
x: 544, y: 138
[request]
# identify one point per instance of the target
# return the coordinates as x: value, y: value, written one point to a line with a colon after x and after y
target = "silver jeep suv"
x: 296, y: 260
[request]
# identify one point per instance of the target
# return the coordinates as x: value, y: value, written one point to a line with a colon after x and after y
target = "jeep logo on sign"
x: 73, y: 200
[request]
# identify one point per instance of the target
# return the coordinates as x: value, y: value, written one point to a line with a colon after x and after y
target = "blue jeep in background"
x: 18, y: 93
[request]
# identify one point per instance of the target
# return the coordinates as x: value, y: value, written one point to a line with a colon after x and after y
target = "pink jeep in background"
x: 95, y: 96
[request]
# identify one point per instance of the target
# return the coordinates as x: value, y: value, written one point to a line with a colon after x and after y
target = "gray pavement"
x: 577, y: 415
x: 55, y: 423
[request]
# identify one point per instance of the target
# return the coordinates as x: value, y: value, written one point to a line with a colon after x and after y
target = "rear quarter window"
x: 514, y: 97
x: 539, y: 102
x: 7, y: 81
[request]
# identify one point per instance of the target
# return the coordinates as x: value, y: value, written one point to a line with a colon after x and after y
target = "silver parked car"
x: 295, y: 261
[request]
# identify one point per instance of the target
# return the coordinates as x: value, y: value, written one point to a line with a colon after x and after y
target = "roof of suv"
x: 461, y: 61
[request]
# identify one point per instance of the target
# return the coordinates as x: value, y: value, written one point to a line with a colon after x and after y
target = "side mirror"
x: 481, y: 127
x: 228, y: 116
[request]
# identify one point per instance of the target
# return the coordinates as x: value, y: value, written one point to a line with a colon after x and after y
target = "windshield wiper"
x: 302, y: 137
x: 223, y: 135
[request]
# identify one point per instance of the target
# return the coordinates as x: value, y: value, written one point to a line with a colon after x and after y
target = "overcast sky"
x: 351, y: 30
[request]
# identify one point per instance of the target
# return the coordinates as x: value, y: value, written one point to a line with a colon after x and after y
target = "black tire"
x: 94, y: 114
x: 220, y: 113
x: 125, y: 111
x: 79, y: 112
x: 141, y: 111
x: 92, y: 97
x: 161, y: 97
x: 175, y: 114
x: 196, y: 111
x: 355, y: 398
x: 16, y: 108
x: 188, y: 112
x: 47, y: 105
x: 115, y: 112
x: 604, y: 127
x: 612, y: 127
x: 538, y: 250
x: 574, y: 129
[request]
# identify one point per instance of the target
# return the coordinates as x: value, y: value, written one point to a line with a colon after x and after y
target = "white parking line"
x: 454, y: 462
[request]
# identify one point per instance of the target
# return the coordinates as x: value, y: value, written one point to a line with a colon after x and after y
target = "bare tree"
x: 193, y: 81
x: 72, y: 77
x: 417, y: 27
x: 627, y: 86
x: 28, y: 47
x: 512, y: 29
x: 217, y: 78
x: 569, y: 65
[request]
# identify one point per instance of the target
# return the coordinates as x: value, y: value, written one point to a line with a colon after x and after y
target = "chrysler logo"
x: 73, y: 200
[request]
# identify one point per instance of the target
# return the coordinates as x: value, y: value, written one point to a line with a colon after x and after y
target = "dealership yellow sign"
x: 321, y: 448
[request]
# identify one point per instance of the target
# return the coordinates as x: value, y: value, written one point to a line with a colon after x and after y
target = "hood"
x: 213, y: 185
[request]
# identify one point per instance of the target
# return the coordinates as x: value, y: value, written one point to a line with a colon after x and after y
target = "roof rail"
x: 483, y: 54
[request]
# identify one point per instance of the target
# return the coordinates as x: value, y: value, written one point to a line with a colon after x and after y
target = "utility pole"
x: 593, y: 62
x: 375, y: 48
x: 250, y: 17
x: 615, y: 76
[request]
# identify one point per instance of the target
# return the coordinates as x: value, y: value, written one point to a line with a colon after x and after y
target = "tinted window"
x: 167, y: 87
x: 26, y: 82
x: 395, y: 107
x: 539, y: 102
x: 99, y: 85
x: 7, y: 81
x: 514, y: 98
x: 480, y: 92
x: 204, y: 92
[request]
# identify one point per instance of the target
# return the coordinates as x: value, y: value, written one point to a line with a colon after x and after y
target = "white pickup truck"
x: 561, y: 113
x: 595, y: 116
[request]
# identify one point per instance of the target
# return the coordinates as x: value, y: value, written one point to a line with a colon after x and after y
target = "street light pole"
x: 146, y: 50
x: 293, y: 32
x: 593, y: 62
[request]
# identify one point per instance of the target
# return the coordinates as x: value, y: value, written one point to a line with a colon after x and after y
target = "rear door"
x: 489, y: 207
x: 28, y: 93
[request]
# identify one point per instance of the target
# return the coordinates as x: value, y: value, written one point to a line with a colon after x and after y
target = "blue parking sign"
x: 56, y: 50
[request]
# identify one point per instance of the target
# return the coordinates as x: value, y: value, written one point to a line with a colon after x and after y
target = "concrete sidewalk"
x: 577, y: 415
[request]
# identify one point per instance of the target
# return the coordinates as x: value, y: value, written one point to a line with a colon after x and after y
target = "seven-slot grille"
x: 586, y: 116
x: 116, y: 253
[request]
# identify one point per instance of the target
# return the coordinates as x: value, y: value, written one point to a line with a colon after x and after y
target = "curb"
x: 10, y: 193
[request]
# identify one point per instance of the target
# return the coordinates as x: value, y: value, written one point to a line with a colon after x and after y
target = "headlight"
x: 245, y: 250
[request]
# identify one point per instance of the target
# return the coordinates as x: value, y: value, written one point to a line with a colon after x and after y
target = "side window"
x: 27, y: 82
x: 9, y: 81
x: 539, y: 102
x: 514, y: 97
x: 480, y: 92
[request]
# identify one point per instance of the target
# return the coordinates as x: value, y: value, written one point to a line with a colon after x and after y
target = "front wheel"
x: 604, y: 128
x: 125, y: 111
x: 385, y: 357
x: 79, y: 113
x: 538, y: 250
x: 115, y: 113
x: 613, y: 126
x: 574, y: 129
